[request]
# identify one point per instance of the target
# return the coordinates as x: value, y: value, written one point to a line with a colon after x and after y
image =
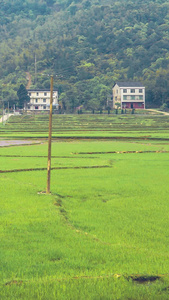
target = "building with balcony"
x: 40, y: 100
x: 129, y: 95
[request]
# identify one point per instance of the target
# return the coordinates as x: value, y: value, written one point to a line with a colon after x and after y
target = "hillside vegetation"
x: 88, y: 45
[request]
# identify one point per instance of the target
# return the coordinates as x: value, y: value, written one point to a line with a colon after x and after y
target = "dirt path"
x: 159, y: 111
x: 28, y: 77
x: 5, y: 118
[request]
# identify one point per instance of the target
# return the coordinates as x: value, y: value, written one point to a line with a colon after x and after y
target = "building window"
x: 37, y: 94
x: 140, y: 90
x: 28, y: 107
x: 36, y: 107
x: 140, y: 97
x: 44, y: 100
x: 132, y: 91
x: 44, y: 107
x: 124, y: 90
x: 36, y: 100
x: 45, y: 94
x: 132, y: 97
x: 116, y: 91
x: 124, y: 97
x: 29, y: 94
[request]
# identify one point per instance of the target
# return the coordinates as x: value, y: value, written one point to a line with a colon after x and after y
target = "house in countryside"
x: 40, y: 100
x: 129, y: 95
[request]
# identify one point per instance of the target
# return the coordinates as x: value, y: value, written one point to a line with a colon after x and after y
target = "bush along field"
x: 103, y: 231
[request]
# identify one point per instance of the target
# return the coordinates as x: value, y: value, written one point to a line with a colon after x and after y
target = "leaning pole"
x: 49, y: 138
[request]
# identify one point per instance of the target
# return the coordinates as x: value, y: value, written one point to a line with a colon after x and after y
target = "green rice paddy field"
x: 103, y: 231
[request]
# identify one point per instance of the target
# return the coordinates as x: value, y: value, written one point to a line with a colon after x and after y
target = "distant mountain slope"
x: 88, y: 45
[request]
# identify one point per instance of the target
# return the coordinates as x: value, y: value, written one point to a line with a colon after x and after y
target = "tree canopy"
x: 89, y: 45
x: 23, y: 97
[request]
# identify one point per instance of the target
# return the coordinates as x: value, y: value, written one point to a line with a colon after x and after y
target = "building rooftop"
x: 39, y: 90
x: 129, y: 84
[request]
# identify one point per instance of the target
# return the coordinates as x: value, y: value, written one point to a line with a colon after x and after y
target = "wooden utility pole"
x: 3, y: 114
x: 50, y: 137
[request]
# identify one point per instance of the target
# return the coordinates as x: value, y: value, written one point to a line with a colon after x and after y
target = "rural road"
x: 159, y: 111
x: 5, y: 118
x: 5, y: 143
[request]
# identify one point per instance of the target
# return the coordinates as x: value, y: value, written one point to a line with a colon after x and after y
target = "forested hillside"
x: 88, y: 45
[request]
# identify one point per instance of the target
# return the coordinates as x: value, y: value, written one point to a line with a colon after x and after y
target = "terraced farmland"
x: 106, y: 126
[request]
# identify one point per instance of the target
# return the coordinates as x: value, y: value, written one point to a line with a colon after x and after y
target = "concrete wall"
x: 40, y: 100
x: 129, y: 97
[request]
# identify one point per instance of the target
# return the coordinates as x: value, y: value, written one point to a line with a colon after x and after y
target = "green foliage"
x: 22, y: 96
x: 88, y: 44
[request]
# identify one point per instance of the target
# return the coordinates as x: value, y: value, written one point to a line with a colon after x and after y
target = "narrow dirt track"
x: 5, y: 118
x: 28, y: 77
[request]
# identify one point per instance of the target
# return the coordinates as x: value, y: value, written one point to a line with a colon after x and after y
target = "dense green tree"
x: 23, y: 97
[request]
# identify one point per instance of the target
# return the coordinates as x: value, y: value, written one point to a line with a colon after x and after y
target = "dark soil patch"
x: 14, y: 282
x: 142, y: 279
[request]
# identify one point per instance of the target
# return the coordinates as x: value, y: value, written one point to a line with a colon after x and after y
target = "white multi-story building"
x: 40, y: 100
x: 129, y: 95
